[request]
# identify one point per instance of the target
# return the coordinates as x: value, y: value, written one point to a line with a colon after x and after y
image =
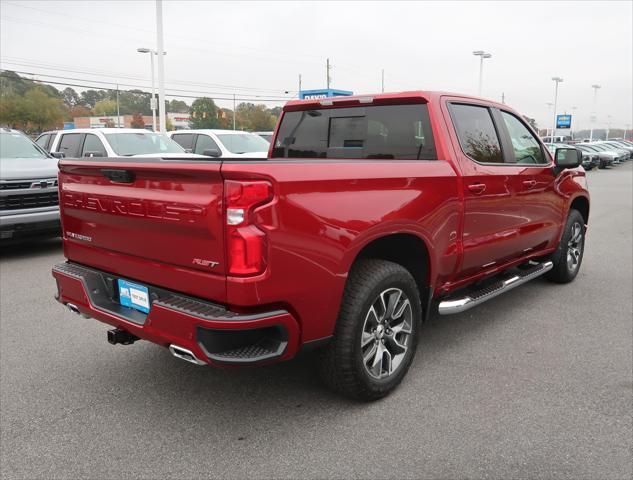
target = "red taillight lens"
x: 247, y: 246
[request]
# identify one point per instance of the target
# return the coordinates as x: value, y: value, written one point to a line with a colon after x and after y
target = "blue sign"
x: 69, y: 125
x: 324, y: 93
x: 563, y: 121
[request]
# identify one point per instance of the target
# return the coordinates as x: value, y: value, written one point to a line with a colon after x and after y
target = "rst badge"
x: 205, y: 263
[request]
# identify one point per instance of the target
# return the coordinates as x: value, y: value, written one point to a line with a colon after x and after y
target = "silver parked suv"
x: 29, y: 204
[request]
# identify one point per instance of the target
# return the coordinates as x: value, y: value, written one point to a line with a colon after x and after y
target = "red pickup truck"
x: 368, y: 212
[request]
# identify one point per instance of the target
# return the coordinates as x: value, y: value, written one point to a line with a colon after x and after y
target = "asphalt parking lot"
x: 537, y: 383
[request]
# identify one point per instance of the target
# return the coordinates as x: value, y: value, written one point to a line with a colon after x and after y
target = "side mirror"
x: 212, y: 152
x: 567, y: 158
x: 57, y: 154
x: 94, y: 154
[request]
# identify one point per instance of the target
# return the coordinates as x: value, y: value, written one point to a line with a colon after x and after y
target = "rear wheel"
x: 376, y: 332
x: 568, y: 257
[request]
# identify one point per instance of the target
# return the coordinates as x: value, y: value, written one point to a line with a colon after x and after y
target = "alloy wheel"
x: 574, y: 247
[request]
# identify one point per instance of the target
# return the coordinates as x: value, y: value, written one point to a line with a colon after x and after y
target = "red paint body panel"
x: 323, y: 213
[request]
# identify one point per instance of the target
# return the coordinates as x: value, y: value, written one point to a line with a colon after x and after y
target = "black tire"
x: 565, y: 270
x: 341, y: 363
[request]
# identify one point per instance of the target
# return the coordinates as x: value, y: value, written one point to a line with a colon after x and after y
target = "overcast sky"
x: 259, y: 49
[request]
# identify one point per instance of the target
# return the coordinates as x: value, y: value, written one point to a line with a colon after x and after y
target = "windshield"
x: 16, y: 145
x: 140, y: 143
x: 243, y: 143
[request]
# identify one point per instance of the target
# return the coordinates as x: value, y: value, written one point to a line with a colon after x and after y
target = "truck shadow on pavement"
x: 30, y: 248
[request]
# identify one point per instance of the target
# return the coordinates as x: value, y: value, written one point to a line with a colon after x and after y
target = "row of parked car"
x: 601, y: 154
x: 129, y: 142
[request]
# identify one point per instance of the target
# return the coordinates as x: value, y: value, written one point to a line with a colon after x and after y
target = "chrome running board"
x: 476, y: 297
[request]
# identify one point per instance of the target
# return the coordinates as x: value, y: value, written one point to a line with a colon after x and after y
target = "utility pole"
x: 118, y: 117
x: 383, y: 80
x: 557, y: 80
x: 234, y: 112
x: 161, y: 66
x: 573, y: 116
x: 626, y: 127
x: 327, y: 71
x: 608, y: 126
x: 593, y: 114
x: 503, y: 97
x: 299, y: 95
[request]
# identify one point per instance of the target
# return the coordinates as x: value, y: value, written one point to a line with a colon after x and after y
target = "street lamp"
x: 593, y: 115
x: 152, y: 102
x: 608, y: 126
x: 481, y: 54
x: 573, y: 116
x: 557, y: 80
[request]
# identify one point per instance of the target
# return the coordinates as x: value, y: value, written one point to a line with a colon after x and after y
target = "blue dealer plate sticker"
x: 134, y: 295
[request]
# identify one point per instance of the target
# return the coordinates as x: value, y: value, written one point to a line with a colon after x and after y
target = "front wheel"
x: 568, y: 257
x: 376, y: 332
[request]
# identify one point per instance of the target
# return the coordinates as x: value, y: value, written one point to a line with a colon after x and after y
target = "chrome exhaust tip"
x: 73, y: 308
x: 186, y: 355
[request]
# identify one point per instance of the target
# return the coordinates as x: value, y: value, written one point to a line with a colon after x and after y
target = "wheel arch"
x: 581, y: 203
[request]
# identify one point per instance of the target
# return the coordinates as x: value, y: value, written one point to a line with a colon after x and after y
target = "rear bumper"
x: 213, y: 333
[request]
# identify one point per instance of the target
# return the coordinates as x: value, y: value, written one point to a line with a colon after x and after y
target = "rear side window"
x: 387, y: 132
x: 185, y: 140
x: 93, y: 146
x: 476, y: 133
x: 69, y: 144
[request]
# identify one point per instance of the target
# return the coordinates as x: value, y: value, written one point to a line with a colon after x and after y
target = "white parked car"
x: 268, y: 136
x: 110, y: 142
x: 222, y: 143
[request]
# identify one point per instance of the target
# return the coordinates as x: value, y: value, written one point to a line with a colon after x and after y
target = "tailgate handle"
x: 118, y: 175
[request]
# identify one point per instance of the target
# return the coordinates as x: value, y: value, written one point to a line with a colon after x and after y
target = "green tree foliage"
x: 531, y: 122
x: 254, y: 117
x: 133, y: 101
x: 35, y: 111
x: 137, y: 121
x: 70, y: 97
x: 105, y: 107
x: 177, y: 106
x: 204, y: 114
x: 89, y: 98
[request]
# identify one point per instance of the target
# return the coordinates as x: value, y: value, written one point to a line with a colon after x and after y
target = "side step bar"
x: 477, y: 297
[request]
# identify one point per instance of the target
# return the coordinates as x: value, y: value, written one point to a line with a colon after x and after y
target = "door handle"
x: 477, y: 188
x: 529, y: 184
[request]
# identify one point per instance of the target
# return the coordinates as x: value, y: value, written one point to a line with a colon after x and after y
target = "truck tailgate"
x: 158, y: 221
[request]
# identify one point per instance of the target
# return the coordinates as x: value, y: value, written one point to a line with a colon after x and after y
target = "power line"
x: 215, y: 97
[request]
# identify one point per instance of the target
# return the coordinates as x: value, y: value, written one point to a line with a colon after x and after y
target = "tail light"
x: 246, y: 244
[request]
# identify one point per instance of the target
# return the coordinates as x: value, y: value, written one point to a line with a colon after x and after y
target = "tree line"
x: 34, y: 107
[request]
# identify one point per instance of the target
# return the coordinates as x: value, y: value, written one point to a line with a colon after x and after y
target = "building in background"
x: 178, y: 121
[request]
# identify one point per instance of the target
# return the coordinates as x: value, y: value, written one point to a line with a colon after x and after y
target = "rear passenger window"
x: 476, y: 133
x: 185, y: 140
x: 526, y: 148
x: 69, y: 144
x: 388, y: 132
x: 93, y: 147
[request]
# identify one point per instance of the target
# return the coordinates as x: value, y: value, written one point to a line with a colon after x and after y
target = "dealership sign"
x: 563, y: 121
x: 324, y: 93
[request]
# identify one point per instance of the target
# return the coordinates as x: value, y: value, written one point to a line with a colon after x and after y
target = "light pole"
x: 593, y: 114
x: 608, y: 126
x: 547, y: 132
x: 626, y: 128
x: 481, y: 54
x: 557, y: 80
x: 573, y: 115
x: 161, y: 66
x: 152, y: 102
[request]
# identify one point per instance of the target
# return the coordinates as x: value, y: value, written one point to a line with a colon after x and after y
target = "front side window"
x: 476, y: 133
x: 128, y: 144
x: 185, y: 140
x: 205, y: 142
x: 16, y: 145
x: 93, y: 146
x: 243, y: 142
x: 526, y: 148
x: 69, y: 144
x: 375, y: 132
x: 43, y: 141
